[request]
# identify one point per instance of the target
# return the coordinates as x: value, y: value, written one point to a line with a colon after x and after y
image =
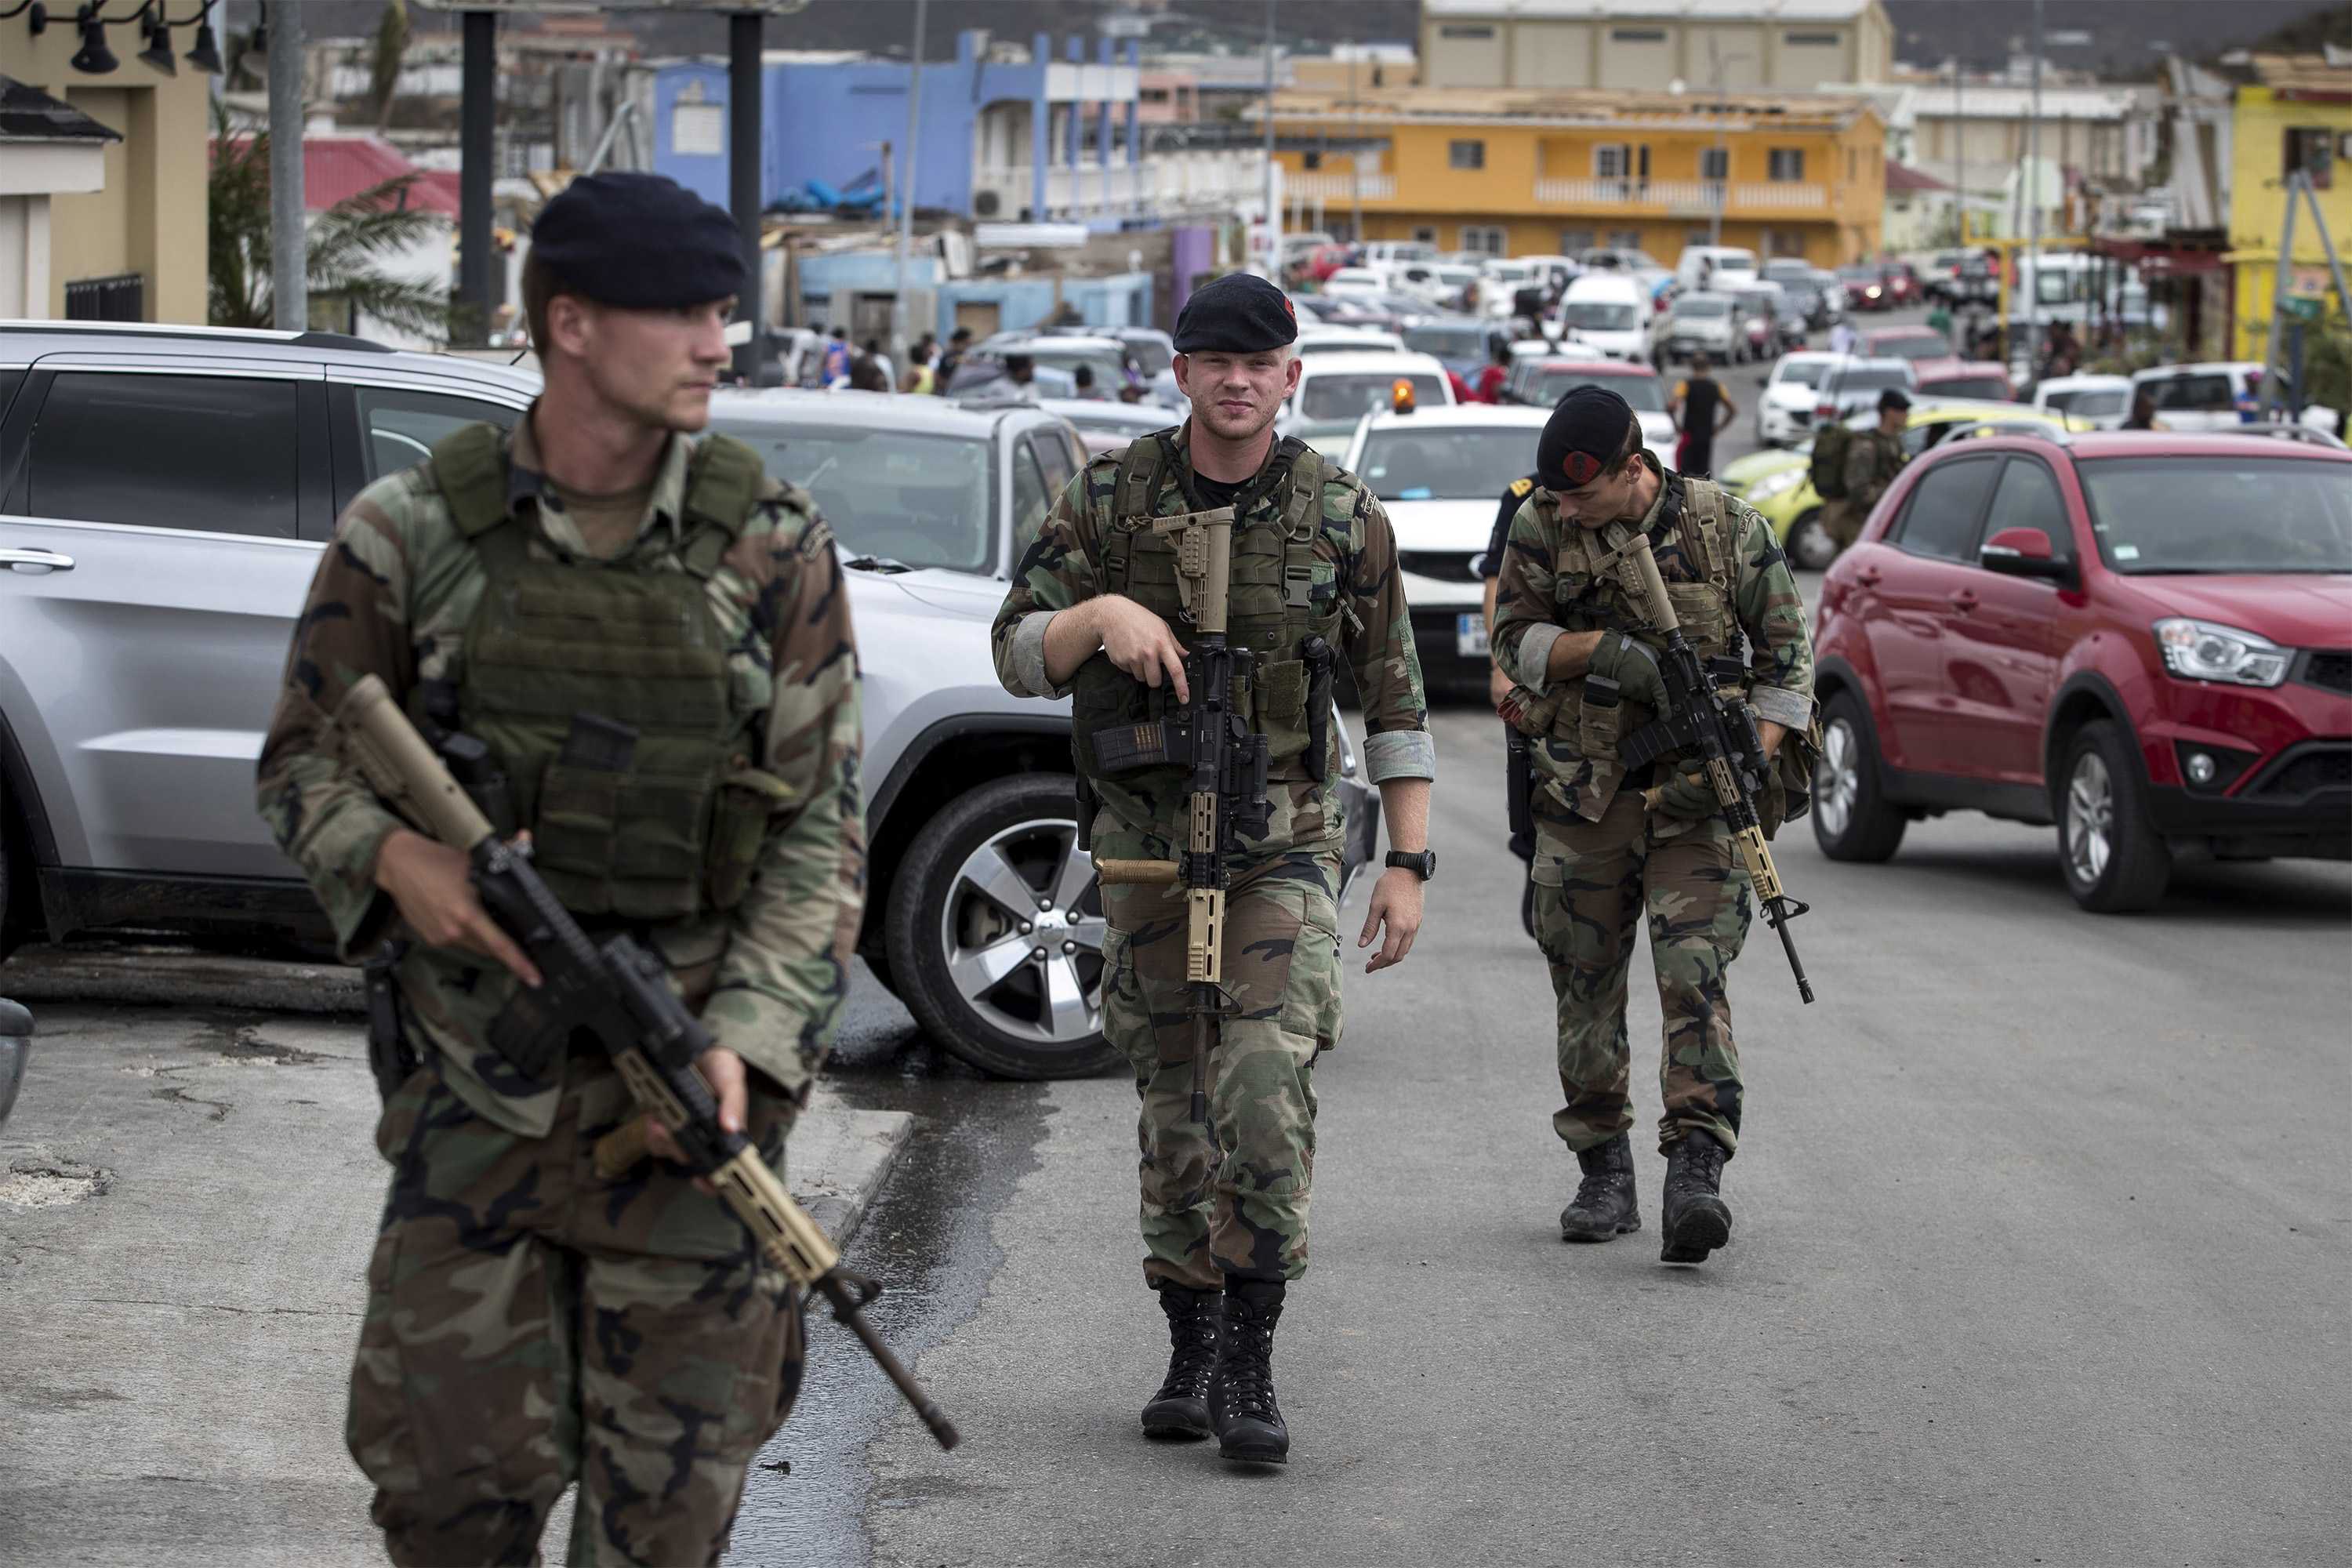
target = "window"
x: 1784, y: 242
x: 1310, y: 160
x: 1637, y: 34
x: 1484, y: 241
x: 1625, y: 239
x: 1786, y: 164
x: 2311, y: 149
x: 1811, y: 40
x: 210, y: 453
x: 9, y: 381
x: 1054, y: 460
x: 1466, y: 154
x: 1575, y: 241
x: 699, y: 130
x: 401, y: 427
x: 1613, y: 161
x: 2202, y: 394
x: 2027, y: 496
x: 1424, y: 236
x: 1459, y: 31
x: 1941, y: 519
x: 1715, y: 163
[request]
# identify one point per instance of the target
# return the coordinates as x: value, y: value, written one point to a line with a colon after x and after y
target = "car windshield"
x: 1643, y: 393
x: 1352, y: 394
x: 1598, y: 316
x: 1150, y: 355
x: 2092, y: 403
x: 2220, y: 516
x: 1911, y: 346
x: 1448, y: 464
x: 1991, y: 387
x: 1756, y: 301
x: 1801, y: 373
x: 1868, y: 378
x: 1466, y: 341
x: 1698, y: 307
x: 920, y: 499
x: 1103, y: 362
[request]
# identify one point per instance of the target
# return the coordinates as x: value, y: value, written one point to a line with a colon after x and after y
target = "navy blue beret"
x: 639, y: 241
x: 1239, y: 313
x: 1586, y: 431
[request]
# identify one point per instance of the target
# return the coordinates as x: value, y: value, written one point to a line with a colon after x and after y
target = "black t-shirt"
x: 1701, y: 397
x: 1214, y: 493
x: 1515, y: 495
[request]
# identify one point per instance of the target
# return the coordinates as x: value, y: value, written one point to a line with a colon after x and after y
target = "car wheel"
x: 2115, y: 862
x: 1851, y: 817
x: 995, y: 928
x: 1810, y: 544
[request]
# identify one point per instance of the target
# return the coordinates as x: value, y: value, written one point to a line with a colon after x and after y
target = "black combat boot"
x: 1604, y: 1204
x: 1241, y: 1397
x: 1180, y: 1408
x: 1693, y: 1216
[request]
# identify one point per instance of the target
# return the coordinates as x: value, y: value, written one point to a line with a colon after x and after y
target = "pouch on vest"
x: 1600, y: 719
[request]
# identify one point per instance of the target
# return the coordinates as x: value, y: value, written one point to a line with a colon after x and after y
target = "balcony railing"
x: 1178, y: 182
x: 1341, y: 187
x: 1683, y: 197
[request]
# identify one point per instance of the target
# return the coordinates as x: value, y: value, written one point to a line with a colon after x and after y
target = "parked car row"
x: 164, y: 495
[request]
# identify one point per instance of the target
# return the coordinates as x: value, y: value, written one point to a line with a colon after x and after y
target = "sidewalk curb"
x: 180, y: 977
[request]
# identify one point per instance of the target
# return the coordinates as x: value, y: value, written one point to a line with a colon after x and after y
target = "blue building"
x: 1023, y: 140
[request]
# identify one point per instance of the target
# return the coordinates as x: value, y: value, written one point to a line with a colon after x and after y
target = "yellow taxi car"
x: 1779, y: 483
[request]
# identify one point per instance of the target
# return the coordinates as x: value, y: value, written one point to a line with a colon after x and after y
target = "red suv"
x: 2144, y: 638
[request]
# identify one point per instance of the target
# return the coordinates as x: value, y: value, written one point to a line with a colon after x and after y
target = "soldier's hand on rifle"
x: 1140, y: 643
x: 1396, y: 901
x: 1632, y: 666
x: 433, y: 887
x: 1688, y: 796
x: 722, y: 1069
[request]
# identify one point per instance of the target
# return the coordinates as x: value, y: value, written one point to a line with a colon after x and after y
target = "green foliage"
x: 344, y: 244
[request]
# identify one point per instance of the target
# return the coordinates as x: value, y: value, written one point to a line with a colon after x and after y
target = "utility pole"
x: 900, y: 324
x: 1960, y: 149
x: 477, y: 152
x: 2033, y: 218
x: 289, y: 265
x: 1272, y: 220
x: 744, y: 145
x: 1722, y: 150
x: 1355, y: 152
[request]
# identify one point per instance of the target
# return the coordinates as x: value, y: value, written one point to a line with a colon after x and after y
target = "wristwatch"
x: 1424, y: 865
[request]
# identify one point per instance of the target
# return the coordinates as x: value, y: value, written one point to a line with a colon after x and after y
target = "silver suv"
x: 164, y: 496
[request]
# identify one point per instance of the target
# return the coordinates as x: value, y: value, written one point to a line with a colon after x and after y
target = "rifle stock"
x: 619, y: 986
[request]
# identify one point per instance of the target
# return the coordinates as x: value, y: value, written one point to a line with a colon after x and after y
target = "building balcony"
x: 1684, y: 199
x: 1341, y: 187
x: 1173, y: 183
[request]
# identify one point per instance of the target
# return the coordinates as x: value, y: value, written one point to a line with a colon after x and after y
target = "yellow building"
x: 136, y: 244
x: 2296, y: 113
x: 1515, y: 172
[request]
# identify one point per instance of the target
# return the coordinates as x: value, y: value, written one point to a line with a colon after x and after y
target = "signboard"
x: 2302, y: 309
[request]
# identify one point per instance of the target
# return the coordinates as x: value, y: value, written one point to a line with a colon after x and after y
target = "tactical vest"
x: 1283, y: 590
x: 602, y: 689
x: 1594, y: 591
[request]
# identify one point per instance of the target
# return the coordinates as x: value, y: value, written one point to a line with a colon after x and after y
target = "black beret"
x: 1586, y: 431
x: 639, y: 241
x: 1239, y: 313
x: 1892, y: 398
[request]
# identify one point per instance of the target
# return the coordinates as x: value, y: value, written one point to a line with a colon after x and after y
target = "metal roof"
x: 28, y: 114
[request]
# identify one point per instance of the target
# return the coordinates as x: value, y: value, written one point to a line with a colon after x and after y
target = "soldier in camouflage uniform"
x: 1873, y: 458
x: 1094, y: 610
x: 530, y: 1323
x: 1614, y: 847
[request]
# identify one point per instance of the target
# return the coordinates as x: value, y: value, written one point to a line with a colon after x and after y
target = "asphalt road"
x: 2041, y: 1257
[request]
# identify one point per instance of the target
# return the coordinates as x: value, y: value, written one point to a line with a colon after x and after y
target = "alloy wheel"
x: 2090, y: 820
x: 1022, y: 930
x: 1837, y: 777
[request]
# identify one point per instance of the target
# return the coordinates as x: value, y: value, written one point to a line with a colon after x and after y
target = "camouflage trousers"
x: 1229, y: 1200
x: 529, y: 1324
x: 1595, y: 881
x: 1843, y: 520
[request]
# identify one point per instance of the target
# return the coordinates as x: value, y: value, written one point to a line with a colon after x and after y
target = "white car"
x: 1440, y: 474
x: 1357, y: 280
x: 1336, y: 391
x: 2219, y: 395
x: 2104, y: 400
x: 1611, y: 312
x: 1784, y: 409
x: 1703, y: 323
x: 1346, y: 340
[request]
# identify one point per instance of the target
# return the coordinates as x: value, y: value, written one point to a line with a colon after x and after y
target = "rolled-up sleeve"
x: 1524, y: 633
x: 1397, y: 744
x: 1053, y: 574
x: 1772, y: 612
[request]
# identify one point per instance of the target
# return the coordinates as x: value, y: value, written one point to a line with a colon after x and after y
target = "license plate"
x: 1470, y: 634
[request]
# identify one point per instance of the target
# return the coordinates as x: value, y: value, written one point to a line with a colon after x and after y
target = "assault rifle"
x: 1225, y: 787
x: 1721, y: 732
x: 621, y: 992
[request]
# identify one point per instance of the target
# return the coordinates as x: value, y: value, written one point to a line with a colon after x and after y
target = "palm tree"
x: 344, y: 243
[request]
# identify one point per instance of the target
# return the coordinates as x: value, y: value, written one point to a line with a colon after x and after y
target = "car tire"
x: 1852, y: 819
x: 1809, y: 546
x: 2114, y: 860
x: 990, y: 863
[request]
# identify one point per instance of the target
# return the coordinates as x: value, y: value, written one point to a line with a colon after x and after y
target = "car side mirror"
x: 2024, y: 552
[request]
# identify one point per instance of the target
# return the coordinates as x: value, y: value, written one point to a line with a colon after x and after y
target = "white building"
x: 1733, y: 46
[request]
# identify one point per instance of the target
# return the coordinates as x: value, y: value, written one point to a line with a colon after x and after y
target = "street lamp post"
x: 1715, y: 62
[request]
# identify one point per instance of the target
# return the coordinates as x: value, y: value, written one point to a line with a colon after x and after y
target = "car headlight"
x: 1778, y: 484
x: 2200, y: 650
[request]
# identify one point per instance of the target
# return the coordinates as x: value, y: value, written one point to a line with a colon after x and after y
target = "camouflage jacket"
x: 1873, y: 458
x: 391, y: 598
x: 1764, y: 593
x: 1062, y: 567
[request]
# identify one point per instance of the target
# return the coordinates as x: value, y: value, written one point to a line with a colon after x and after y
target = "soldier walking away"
x: 1701, y: 410
x: 1871, y: 460
x: 1518, y: 767
x: 1616, y: 843
x: 651, y: 639
x: 1096, y: 610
